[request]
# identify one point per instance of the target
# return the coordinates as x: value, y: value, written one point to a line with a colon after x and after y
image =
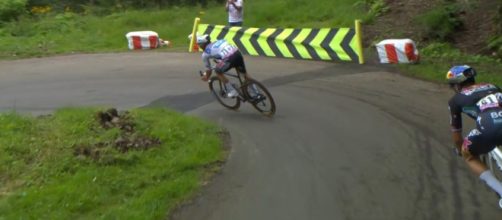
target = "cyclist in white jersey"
x: 226, y: 55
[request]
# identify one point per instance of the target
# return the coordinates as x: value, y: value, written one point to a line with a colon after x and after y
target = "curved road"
x: 348, y: 141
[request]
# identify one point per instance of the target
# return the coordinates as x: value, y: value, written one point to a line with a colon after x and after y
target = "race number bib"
x: 490, y: 101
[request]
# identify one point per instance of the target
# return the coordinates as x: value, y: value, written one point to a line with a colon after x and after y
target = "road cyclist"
x: 482, y: 102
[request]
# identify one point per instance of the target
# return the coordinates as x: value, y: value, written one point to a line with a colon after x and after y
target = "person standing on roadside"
x: 235, y: 9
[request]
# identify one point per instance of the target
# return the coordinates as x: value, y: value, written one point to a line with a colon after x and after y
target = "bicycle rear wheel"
x: 494, y: 162
x: 219, y: 91
x: 260, y: 97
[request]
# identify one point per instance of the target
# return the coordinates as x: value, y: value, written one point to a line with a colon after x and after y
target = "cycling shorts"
x: 488, y: 133
x: 233, y: 61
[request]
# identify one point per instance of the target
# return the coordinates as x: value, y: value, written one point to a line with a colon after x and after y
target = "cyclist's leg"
x: 240, y: 66
x: 475, y: 144
x: 222, y: 67
x: 222, y: 77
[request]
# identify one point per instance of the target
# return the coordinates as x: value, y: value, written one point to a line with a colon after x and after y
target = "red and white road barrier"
x: 143, y: 40
x: 397, y: 51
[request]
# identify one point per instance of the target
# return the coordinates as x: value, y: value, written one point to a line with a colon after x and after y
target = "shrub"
x: 440, y: 23
x: 104, y: 7
x: 374, y: 9
x: 495, y: 45
x: 11, y: 9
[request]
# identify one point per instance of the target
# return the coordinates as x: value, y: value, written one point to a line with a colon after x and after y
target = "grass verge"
x: 68, y: 32
x: 43, y: 175
x: 438, y: 58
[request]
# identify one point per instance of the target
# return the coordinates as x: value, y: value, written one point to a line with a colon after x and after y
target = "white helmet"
x: 203, y: 39
x: 200, y: 39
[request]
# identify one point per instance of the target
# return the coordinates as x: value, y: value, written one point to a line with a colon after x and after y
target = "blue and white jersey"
x: 219, y: 50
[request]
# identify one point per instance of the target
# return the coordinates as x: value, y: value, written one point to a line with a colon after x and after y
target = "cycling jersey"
x: 465, y: 101
x: 488, y: 132
x: 483, y: 103
x: 218, y: 50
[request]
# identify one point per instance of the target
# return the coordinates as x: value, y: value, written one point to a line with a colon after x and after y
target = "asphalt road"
x: 348, y: 141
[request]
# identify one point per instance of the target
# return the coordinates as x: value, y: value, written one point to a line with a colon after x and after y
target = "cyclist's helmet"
x: 460, y: 74
x: 203, y: 39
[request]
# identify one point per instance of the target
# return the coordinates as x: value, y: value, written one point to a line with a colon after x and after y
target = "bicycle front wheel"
x: 260, y: 97
x: 217, y: 88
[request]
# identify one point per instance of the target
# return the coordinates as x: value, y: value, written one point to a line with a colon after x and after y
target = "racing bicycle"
x: 250, y: 90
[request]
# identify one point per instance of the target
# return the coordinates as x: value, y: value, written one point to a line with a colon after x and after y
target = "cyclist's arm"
x: 455, y: 115
x: 207, y: 64
x: 457, y: 138
x: 206, y: 61
x: 456, y: 125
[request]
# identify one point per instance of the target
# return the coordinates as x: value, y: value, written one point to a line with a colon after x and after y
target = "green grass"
x: 72, y: 33
x: 438, y: 58
x: 42, y: 178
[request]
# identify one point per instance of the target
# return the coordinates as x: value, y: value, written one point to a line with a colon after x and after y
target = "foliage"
x: 42, y: 177
x: 11, y: 9
x: 374, y: 9
x: 295, y: 14
x: 446, y: 53
x: 495, y: 42
x: 437, y: 58
x: 107, y: 6
x: 495, y: 45
x: 441, y: 22
x: 73, y: 32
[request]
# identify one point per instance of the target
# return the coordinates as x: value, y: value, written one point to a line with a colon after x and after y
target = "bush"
x: 495, y: 45
x: 11, y: 9
x: 110, y: 6
x: 440, y: 23
x: 374, y: 8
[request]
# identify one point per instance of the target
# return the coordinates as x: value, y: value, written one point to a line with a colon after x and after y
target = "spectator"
x: 235, y: 9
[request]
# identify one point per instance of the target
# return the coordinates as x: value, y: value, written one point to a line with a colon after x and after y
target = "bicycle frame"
x: 237, y: 75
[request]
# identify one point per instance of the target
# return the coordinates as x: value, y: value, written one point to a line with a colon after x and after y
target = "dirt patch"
x: 128, y: 140
x: 398, y: 21
x: 479, y: 25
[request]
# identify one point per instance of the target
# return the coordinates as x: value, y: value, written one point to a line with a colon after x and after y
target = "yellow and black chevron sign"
x: 338, y: 44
